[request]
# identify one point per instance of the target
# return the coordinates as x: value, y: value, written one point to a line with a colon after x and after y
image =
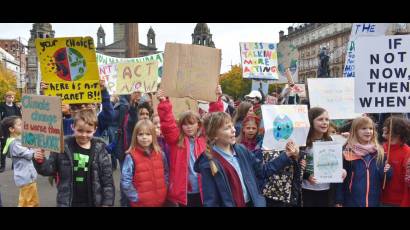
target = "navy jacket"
x: 363, y: 183
x: 216, y: 190
x: 106, y: 116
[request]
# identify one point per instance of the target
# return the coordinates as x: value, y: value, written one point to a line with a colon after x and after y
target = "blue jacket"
x: 216, y: 190
x: 363, y: 183
x: 106, y: 116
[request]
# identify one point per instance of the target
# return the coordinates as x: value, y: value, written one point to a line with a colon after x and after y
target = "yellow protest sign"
x: 69, y: 67
x: 133, y: 76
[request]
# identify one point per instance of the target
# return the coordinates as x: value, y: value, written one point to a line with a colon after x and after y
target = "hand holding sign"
x: 288, y: 75
x: 160, y: 95
x: 292, y: 150
x: 218, y: 91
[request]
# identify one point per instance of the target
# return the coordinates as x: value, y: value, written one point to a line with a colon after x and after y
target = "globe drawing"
x: 70, y: 64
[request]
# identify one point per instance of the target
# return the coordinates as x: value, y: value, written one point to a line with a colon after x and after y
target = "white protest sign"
x: 382, y: 81
x: 284, y: 123
x: 261, y: 84
x: 336, y: 95
x: 359, y: 30
x: 327, y: 162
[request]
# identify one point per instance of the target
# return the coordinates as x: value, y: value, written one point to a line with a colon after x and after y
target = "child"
x: 392, y: 195
x: 314, y: 194
x: 186, y: 143
x: 144, y: 111
x: 244, y: 109
x: 229, y: 171
x: 84, y: 168
x: 249, y: 136
x: 24, y: 173
x: 160, y: 138
x: 144, y: 174
x: 364, y: 162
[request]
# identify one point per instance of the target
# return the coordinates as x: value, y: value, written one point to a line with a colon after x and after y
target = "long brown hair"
x: 248, y: 118
x: 314, y: 113
x: 242, y: 111
x: 212, y: 124
x: 144, y: 125
x: 353, y: 137
x: 188, y: 117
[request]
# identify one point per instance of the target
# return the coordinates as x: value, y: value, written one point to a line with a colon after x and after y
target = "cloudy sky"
x: 226, y: 36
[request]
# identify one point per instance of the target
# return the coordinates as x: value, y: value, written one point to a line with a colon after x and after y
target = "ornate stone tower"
x: 119, y: 31
x: 100, y: 37
x: 40, y: 30
x: 202, y: 35
x: 151, y: 38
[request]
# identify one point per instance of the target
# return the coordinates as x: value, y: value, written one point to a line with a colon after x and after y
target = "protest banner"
x: 382, y: 80
x: 259, y: 60
x: 179, y: 105
x: 191, y: 71
x: 327, y: 162
x: 137, y: 76
x: 284, y: 123
x: 69, y: 67
x: 359, y: 30
x: 108, y: 68
x: 42, y: 122
x: 288, y: 56
x: 336, y: 95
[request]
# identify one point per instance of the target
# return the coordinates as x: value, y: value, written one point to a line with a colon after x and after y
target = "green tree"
x: 233, y: 84
x: 7, y: 83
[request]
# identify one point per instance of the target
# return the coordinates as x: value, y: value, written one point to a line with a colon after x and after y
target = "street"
x: 47, y: 193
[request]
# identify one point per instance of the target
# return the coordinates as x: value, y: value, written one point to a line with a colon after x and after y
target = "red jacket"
x: 149, y: 179
x: 178, y: 159
x: 406, y: 195
x: 394, y: 190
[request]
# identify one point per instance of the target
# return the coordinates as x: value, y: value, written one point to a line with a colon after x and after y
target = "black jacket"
x: 12, y: 111
x: 102, y: 189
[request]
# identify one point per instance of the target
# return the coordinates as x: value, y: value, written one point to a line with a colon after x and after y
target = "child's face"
x: 17, y: 128
x: 143, y: 114
x: 226, y: 134
x: 157, y: 125
x: 190, y: 129
x: 250, y: 111
x: 321, y: 123
x: 385, y: 134
x: 144, y: 138
x: 250, y: 129
x: 365, y: 134
x: 83, y: 132
x: 9, y: 99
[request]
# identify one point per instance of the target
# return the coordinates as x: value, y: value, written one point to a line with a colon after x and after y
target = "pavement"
x: 47, y: 193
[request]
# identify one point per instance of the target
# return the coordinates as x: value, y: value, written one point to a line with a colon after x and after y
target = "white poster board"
x: 327, y: 161
x: 336, y: 95
x: 359, y: 30
x: 382, y: 82
x: 284, y: 123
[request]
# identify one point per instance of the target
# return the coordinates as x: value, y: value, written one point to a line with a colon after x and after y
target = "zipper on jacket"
x: 351, y: 182
x: 367, y: 180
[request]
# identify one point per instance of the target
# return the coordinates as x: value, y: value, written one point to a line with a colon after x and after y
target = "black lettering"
x: 371, y: 86
x: 374, y: 58
x: 389, y: 55
x: 374, y: 73
x: 387, y: 73
x: 365, y: 102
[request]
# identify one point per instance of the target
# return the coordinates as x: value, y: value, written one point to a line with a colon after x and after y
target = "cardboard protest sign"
x: 284, y: 123
x: 108, y: 68
x: 191, y: 71
x: 137, y: 76
x: 327, y: 162
x: 259, y: 60
x: 42, y: 122
x: 69, y: 67
x: 288, y: 56
x: 382, y: 83
x: 336, y: 95
x: 179, y: 105
x: 359, y: 30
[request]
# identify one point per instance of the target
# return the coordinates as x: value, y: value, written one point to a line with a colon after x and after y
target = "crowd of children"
x: 215, y: 159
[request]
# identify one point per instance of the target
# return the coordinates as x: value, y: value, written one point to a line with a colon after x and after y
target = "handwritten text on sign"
x: 382, y: 82
x: 259, y: 60
x: 137, y: 76
x: 327, y: 161
x: 42, y: 122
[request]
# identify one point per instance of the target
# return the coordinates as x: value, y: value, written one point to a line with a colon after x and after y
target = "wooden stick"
x: 388, y: 148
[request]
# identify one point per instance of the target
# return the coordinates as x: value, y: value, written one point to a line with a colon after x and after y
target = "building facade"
x: 18, y: 64
x: 202, y: 35
x: 119, y: 47
x: 310, y: 38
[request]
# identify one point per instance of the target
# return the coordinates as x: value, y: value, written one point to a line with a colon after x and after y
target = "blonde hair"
x: 353, y: 137
x: 144, y: 125
x: 188, y: 117
x: 212, y: 124
x: 88, y: 116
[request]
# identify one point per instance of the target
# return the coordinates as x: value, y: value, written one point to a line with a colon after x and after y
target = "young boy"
x: 84, y: 167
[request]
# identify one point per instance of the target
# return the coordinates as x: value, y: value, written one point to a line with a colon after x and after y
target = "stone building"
x: 202, y: 35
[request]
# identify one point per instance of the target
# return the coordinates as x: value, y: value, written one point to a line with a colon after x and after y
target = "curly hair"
x: 400, y: 128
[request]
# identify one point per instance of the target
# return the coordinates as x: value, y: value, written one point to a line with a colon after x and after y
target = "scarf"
x: 363, y: 150
x: 250, y: 144
x: 233, y: 179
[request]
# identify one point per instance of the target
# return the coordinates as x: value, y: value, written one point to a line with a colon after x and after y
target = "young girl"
x: 314, y: 194
x: 364, y: 162
x: 25, y: 174
x: 160, y: 138
x: 144, y: 174
x: 186, y: 142
x: 229, y: 171
x: 249, y: 135
x: 244, y: 109
x: 392, y: 195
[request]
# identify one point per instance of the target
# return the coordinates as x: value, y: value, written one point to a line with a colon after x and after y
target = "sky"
x: 226, y: 36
